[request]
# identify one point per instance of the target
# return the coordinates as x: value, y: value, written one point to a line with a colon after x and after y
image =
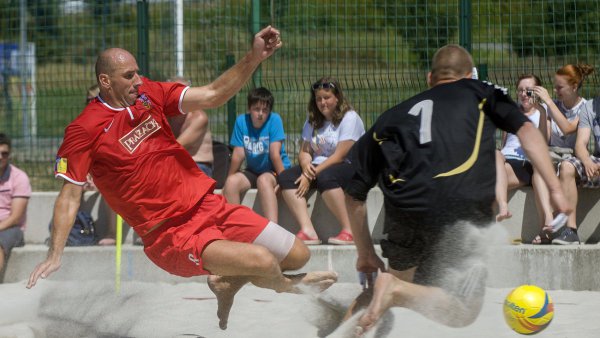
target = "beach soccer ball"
x: 528, y: 309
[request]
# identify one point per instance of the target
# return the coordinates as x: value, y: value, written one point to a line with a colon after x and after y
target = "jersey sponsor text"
x: 138, y: 134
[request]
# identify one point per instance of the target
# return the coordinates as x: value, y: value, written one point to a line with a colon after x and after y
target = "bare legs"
x: 2, y: 260
x: 336, y: 202
x: 234, y: 264
x: 506, y: 180
x: 501, y: 188
x: 395, y: 289
x: 237, y: 184
x: 569, y: 187
x: 265, y: 185
x: 299, y: 208
x: 542, y: 200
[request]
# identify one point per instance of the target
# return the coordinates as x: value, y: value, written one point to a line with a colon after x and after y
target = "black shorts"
x: 336, y: 176
x: 447, y: 250
x: 523, y: 170
x: 252, y: 177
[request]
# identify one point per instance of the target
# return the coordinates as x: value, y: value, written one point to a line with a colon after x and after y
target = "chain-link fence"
x: 378, y: 49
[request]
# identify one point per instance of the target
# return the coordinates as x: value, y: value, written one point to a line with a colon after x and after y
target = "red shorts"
x: 177, y: 245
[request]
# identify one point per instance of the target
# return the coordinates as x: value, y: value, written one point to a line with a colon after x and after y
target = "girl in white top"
x: 513, y: 168
x: 328, y: 134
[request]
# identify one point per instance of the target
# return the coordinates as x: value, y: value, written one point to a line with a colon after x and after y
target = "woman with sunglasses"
x: 328, y: 134
x: 513, y: 168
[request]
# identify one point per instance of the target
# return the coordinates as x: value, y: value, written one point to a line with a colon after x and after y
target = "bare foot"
x: 225, y: 289
x: 107, y: 241
x: 383, y: 298
x: 318, y: 281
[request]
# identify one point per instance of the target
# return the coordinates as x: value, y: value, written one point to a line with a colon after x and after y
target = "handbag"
x: 83, y: 232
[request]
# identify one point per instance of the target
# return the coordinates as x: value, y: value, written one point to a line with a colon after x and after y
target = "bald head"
x: 450, y: 63
x: 118, y: 77
x: 110, y: 59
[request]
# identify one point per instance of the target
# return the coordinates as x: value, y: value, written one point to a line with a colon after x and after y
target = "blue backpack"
x: 83, y: 231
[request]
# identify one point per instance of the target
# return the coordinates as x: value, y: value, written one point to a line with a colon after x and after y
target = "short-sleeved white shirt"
x: 324, y: 140
x: 512, y: 148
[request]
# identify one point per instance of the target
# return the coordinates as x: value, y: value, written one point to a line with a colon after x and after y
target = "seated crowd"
x: 567, y: 123
x: 332, y: 126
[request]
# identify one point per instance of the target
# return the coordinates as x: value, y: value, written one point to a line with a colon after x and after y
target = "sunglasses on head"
x: 326, y: 85
x: 5, y: 153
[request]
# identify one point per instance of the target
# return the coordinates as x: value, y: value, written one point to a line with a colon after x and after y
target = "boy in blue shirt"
x: 258, y: 137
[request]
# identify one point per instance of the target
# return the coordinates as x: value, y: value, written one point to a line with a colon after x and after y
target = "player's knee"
x: 297, y: 257
x: 262, y: 259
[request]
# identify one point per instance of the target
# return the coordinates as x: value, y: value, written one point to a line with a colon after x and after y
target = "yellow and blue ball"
x: 528, y: 309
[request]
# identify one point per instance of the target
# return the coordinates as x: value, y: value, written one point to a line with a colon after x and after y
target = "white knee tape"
x: 278, y: 240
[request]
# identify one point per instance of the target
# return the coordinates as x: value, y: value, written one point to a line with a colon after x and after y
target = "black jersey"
x: 436, y: 149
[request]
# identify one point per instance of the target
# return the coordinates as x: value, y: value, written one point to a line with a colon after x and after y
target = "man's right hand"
x: 43, y: 270
x: 369, y: 264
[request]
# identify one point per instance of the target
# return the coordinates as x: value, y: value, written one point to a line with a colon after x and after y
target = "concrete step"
x: 523, y: 224
x: 550, y: 267
x: 41, y: 204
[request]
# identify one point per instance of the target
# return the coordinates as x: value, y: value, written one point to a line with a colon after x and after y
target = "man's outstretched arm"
x: 367, y: 260
x: 65, y: 211
x: 215, y: 94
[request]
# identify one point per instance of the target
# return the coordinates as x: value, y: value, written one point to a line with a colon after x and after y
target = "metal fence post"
x: 231, y: 108
x: 483, y: 71
x: 143, y: 37
x: 257, y: 76
x: 465, y: 24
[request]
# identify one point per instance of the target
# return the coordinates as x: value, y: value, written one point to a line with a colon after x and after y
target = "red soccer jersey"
x: 134, y: 158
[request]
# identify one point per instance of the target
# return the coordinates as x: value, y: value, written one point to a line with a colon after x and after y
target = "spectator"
x: 258, y: 137
x: 433, y: 157
x: 15, y: 191
x: 193, y: 133
x: 582, y: 170
x: 109, y: 237
x: 125, y: 142
x: 328, y: 134
x: 513, y: 168
x: 563, y: 112
x: 564, y: 115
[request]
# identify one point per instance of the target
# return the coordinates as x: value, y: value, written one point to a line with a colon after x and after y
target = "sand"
x: 94, y: 309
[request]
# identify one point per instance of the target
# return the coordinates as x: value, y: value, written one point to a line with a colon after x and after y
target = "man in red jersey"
x: 122, y: 138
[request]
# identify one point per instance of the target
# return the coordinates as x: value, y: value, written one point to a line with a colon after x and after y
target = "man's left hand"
x: 266, y: 42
